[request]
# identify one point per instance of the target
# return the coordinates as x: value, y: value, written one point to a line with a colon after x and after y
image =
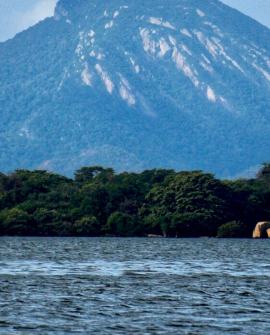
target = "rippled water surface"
x: 134, y: 286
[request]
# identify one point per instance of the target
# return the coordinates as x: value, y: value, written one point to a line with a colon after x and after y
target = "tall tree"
x: 264, y: 174
x: 189, y: 204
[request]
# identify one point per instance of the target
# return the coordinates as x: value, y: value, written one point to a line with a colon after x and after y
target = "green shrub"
x: 231, y: 229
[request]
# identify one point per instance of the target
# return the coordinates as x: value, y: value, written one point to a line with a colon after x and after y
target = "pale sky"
x: 18, y: 15
x: 257, y: 9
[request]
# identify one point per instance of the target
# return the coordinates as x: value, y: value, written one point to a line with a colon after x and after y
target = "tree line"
x: 100, y: 202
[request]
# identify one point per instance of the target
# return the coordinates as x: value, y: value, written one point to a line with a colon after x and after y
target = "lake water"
x: 134, y: 286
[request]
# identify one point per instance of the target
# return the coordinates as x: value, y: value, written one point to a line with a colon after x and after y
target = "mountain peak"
x: 174, y: 84
x: 60, y: 11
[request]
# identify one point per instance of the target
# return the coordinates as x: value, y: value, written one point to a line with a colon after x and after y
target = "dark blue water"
x: 134, y: 286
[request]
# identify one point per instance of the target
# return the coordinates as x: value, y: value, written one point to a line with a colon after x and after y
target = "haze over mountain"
x: 173, y: 84
x: 18, y: 15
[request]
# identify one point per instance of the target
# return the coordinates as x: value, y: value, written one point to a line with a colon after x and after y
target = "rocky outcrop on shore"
x: 262, y: 230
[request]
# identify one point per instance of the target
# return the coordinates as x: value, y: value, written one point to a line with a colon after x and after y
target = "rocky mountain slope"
x: 178, y: 84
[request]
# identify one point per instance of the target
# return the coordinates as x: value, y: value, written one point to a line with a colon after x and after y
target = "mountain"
x: 178, y: 84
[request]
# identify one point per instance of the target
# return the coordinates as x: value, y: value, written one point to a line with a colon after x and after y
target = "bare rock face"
x: 261, y: 230
x: 59, y: 12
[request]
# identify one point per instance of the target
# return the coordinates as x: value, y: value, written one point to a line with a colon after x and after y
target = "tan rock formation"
x: 268, y: 233
x: 260, y: 230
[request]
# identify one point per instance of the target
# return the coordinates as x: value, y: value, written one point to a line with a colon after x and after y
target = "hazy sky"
x: 17, y: 15
x: 257, y: 9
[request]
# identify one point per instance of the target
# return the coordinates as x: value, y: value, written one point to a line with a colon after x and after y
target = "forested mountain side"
x: 99, y: 202
x: 136, y: 85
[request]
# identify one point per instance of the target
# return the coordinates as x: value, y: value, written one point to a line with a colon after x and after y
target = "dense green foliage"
x: 99, y: 202
x: 231, y: 229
